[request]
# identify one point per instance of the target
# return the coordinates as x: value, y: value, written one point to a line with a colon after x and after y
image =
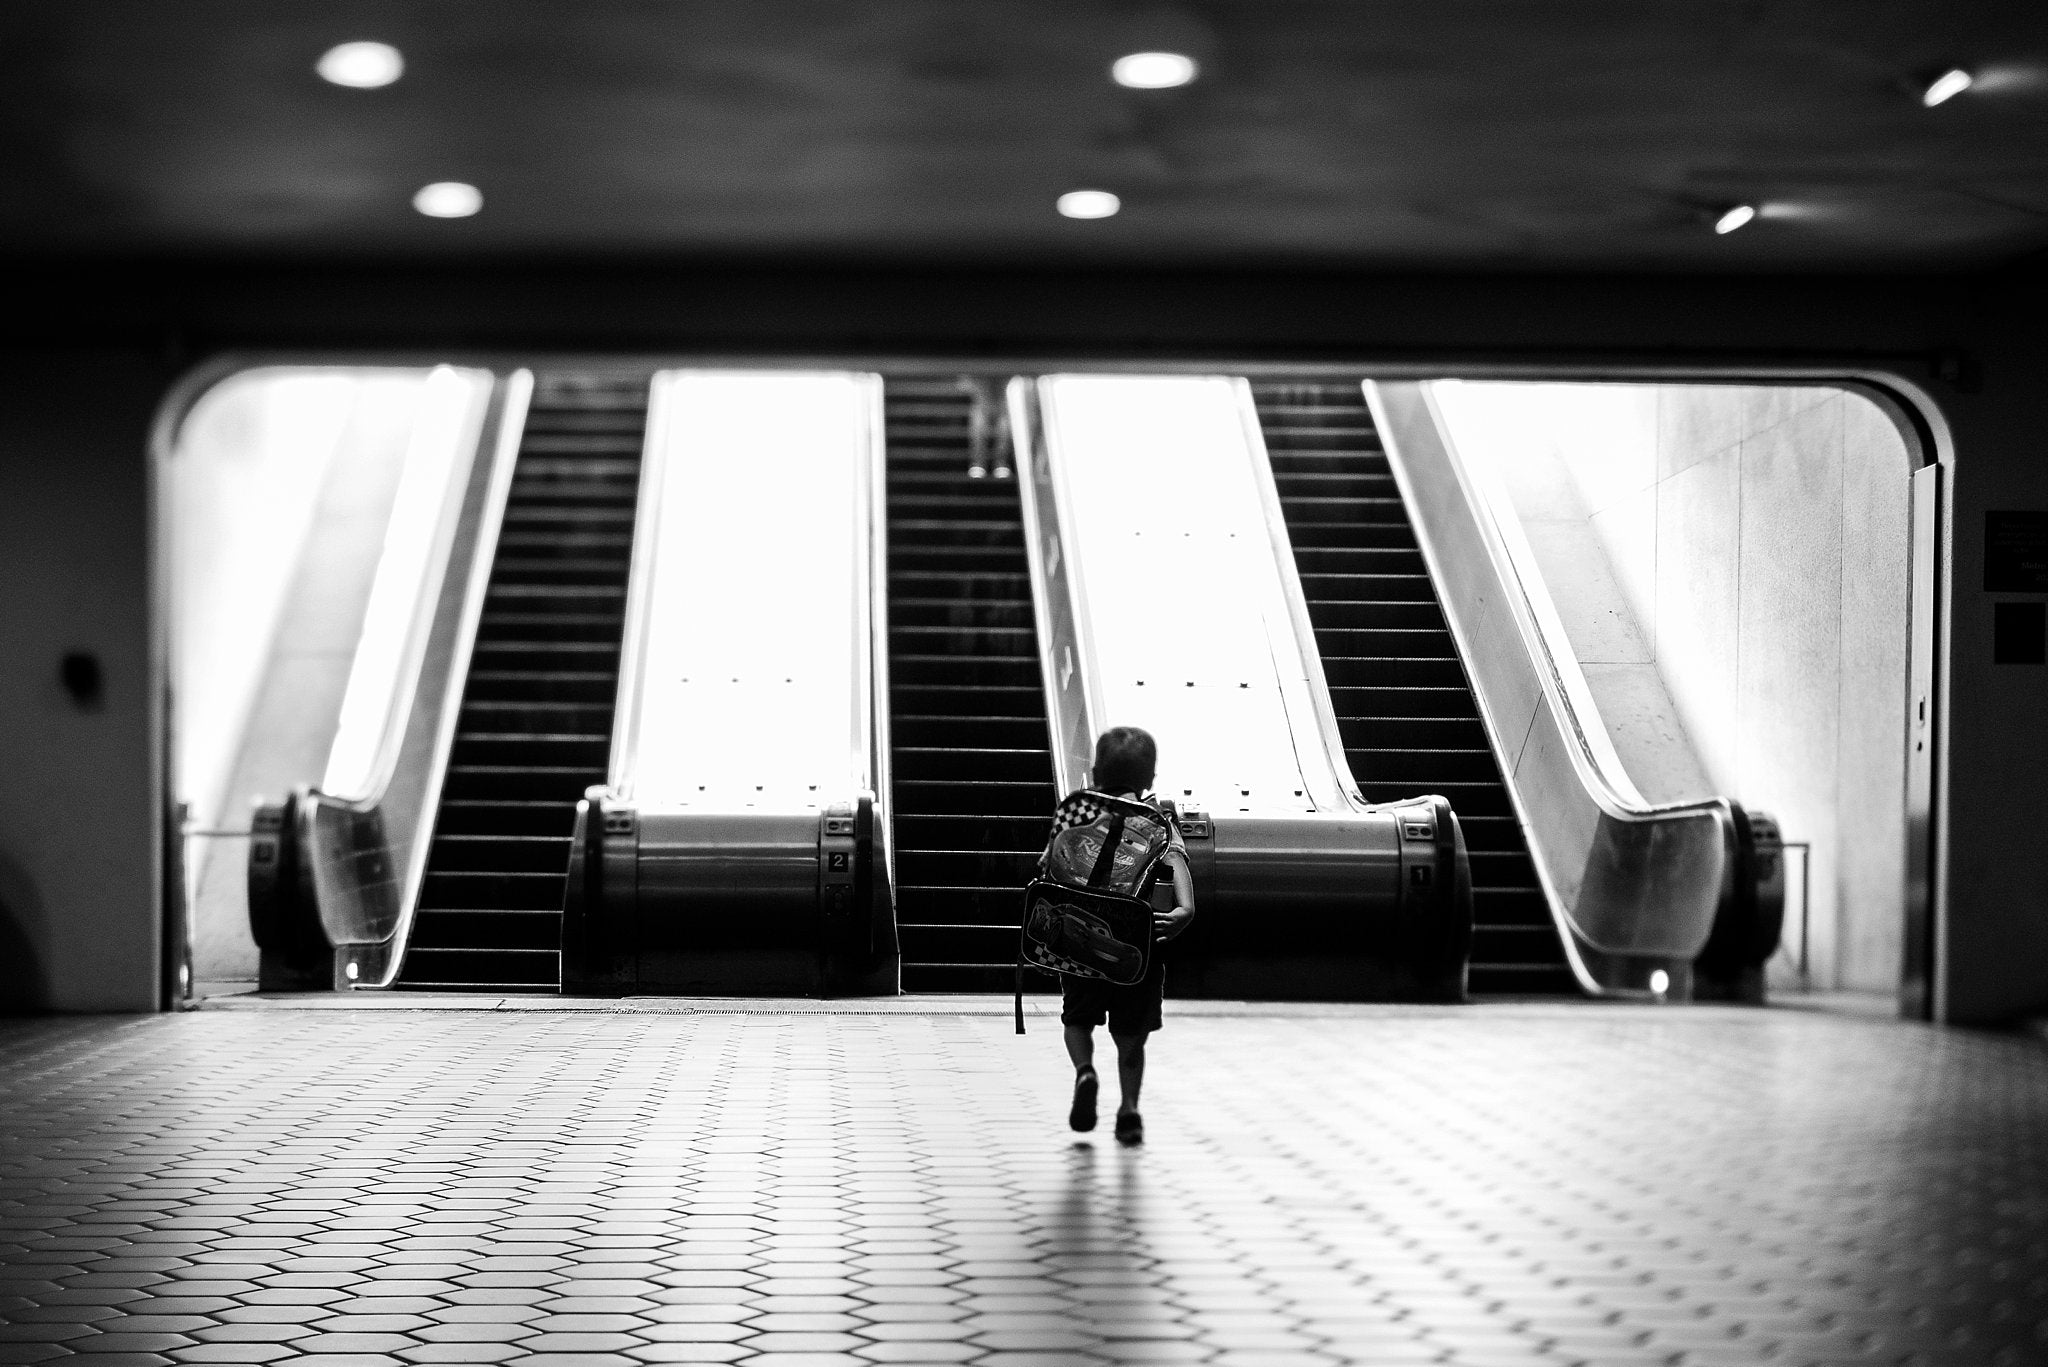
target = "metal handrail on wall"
x: 1638, y: 889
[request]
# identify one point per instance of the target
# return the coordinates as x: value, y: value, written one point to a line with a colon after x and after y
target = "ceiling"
x: 1377, y: 134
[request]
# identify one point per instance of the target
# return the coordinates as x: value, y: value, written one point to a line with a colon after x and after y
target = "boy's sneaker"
x: 1130, y: 1128
x: 1082, y: 1116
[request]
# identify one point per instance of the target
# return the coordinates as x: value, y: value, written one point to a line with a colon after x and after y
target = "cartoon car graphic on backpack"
x: 1082, y: 937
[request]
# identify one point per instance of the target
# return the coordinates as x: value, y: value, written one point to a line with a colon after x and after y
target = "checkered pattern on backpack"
x: 1078, y: 809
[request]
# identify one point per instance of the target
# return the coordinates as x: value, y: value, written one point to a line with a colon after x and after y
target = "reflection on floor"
x: 1491, y: 1185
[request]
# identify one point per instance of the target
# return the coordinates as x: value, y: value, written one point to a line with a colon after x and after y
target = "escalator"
x: 973, y: 782
x: 536, y: 720
x: 1404, y: 706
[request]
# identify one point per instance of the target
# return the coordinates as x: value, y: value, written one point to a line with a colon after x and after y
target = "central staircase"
x: 973, y: 783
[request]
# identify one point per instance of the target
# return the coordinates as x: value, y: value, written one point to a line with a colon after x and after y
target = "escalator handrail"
x: 1332, y: 764
x: 366, y: 877
x: 873, y: 600
x: 1057, y: 595
x: 622, y: 764
x: 399, y: 615
x: 1408, y: 417
x: 865, y: 613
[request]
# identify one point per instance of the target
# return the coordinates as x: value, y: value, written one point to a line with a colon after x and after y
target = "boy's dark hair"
x: 1126, y: 760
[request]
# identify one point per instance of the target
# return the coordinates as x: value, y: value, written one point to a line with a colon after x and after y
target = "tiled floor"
x: 1479, y: 1186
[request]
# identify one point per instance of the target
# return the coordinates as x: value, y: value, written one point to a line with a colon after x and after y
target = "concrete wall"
x: 1544, y: 446
x: 80, y: 802
x: 1757, y: 543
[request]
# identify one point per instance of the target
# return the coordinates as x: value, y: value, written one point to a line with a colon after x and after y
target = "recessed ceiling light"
x: 1734, y: 218
x: 1153, y: 70
x: 1947, y: 86
x: 448, y: 199
x: 1089, y: 204
x: 365, y: 66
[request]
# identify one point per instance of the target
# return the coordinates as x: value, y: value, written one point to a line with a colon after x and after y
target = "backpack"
x: 1086, y: 914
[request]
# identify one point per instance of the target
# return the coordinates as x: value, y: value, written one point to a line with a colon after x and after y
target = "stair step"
x: 516, y: 852
x: 505, y: 816
x: 487, y: 928
x: 997, y: 729
x: 978, y: 671
x: 445, y: 969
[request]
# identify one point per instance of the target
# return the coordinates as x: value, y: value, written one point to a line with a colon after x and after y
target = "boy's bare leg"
x: 1081, y: 1049
x: 1130, y: 1070
x: 1081, y: 1046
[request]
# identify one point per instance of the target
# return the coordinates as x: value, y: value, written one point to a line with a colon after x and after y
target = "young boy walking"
x: 1126, y: 762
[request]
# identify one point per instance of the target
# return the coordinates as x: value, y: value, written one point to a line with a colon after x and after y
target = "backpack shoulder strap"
x: 1105, y: 862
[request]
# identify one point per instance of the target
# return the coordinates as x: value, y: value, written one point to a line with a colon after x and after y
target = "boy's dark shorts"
x: 1131, y: 1010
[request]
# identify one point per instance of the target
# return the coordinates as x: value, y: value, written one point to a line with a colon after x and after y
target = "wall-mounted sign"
x: 2016, y: 552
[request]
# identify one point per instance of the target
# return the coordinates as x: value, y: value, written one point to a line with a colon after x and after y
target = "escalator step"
x: 512, y: 851
x: 489, y: 969
x: 506, y: 928
x: 940, y: 797
x: 978, y: 671
x: 501, y: 817
x: 494, y: 889
x: 997, y: 729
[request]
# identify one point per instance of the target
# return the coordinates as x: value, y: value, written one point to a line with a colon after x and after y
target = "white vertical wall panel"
x: 1185, y: 615
x: 750, y: 695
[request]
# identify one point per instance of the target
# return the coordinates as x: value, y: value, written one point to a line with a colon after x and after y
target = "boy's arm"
x: 1168, y: 924
x: 1183, y: 885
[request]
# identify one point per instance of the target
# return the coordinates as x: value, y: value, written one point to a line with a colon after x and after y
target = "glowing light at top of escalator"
x: 361, y: 66
x: 1153, y: 70
x: 1734, y: 218
x: 1216, y: 677
x: 745, y: 670
x: 448, y: 199
x: 1089, y: 204
x: 1947, y: 86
